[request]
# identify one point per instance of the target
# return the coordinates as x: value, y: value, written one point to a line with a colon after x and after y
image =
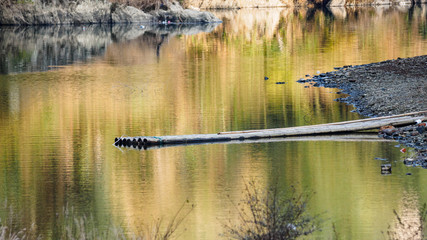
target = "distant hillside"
x: 221, y: 4
x: 50, y: 12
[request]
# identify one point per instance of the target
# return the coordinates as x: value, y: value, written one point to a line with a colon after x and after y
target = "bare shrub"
x: 82, y: 227
x: 157, y: 231
x: 271, y: 214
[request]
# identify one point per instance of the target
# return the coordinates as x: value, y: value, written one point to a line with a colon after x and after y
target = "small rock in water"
x: 408, y: 161
x: 389, y: 131
x: 385, y: 169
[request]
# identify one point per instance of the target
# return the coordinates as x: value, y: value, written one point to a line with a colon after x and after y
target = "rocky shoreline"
x: 99, y: 12
x: 385, y: 88
x: 380, y: 89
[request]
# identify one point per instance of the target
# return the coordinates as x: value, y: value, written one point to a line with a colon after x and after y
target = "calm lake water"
x: 67, y: 92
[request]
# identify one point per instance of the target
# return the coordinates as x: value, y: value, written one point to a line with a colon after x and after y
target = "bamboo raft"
x: 320, y: 129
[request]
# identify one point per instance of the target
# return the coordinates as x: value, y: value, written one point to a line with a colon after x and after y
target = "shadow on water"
x: 30, y: 49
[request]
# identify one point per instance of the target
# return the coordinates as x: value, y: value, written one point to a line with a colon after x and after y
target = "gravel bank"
x: 380, y: 89
x: 385, y: 88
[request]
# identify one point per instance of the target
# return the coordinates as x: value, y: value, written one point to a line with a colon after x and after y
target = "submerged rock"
x: 414, y: 136
x: 410, y: 136
x: 420, y: 160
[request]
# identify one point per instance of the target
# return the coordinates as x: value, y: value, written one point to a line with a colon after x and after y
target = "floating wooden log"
x: 344, y: 137
x: 330, y: 128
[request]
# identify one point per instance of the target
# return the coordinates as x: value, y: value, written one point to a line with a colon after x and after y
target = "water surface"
x: 66, y: 92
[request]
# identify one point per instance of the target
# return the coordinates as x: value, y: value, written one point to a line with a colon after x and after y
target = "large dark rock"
x: 176, y: 13
x: 128, y: 14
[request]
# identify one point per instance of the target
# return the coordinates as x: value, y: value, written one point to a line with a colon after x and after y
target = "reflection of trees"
x: 410, y: 219
x: 28, y: 49
x: 39, y: 48
x: 303, y: 41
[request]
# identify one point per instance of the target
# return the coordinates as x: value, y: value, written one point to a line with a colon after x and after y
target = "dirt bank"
x: 385, y: 88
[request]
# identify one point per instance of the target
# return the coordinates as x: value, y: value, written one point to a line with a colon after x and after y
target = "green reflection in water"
x: 57, y: 127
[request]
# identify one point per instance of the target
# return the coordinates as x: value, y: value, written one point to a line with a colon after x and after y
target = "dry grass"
x: 11, y: 227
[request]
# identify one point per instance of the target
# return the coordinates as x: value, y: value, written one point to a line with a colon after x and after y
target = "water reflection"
x: 30, y: 49
x: 409, y: 218
x: 57, y: 127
